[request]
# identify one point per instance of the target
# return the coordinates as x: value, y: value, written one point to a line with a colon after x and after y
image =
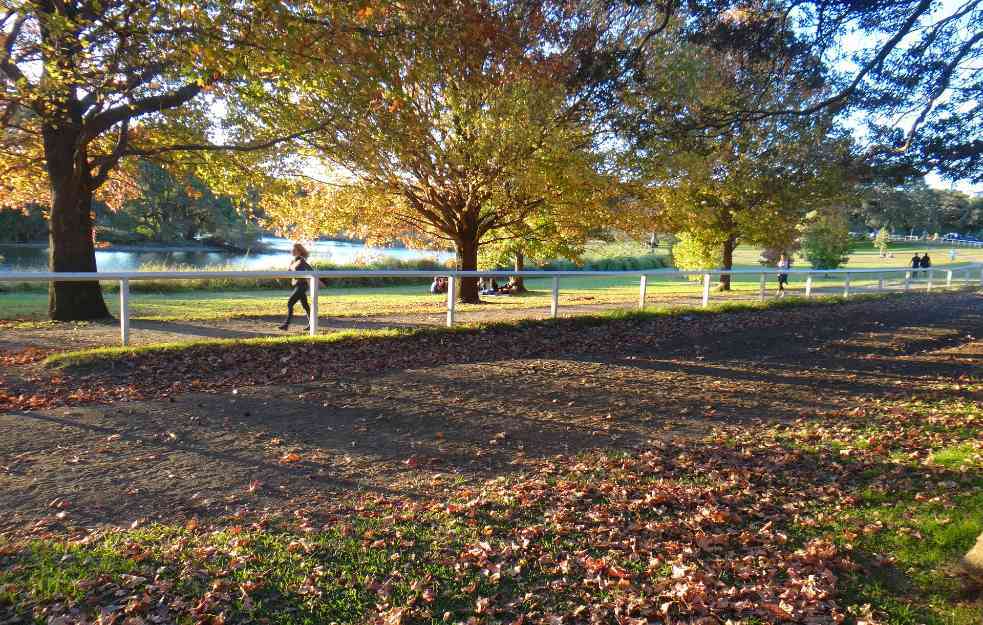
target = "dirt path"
x: 419, y: 430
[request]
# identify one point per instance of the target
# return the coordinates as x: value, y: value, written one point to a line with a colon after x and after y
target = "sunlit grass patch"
x: 966, y: 454
x: 104, y: 355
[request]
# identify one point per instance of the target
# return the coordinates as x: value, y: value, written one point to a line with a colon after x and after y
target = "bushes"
x: 616, y: 263
x: 826, y: 243
x: 690, y: 252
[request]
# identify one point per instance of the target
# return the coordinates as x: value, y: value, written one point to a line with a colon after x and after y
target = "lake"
x: 275, y: 256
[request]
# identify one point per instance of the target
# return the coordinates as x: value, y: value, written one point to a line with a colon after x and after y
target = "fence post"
x: 846, y: 285
x: 312, y: 322
x: 948, y: 278
x: 931, y: 274
x: 880, y: 283
x: 706, y: 290
x: 451, y: 299
x: 642, y: 286
x: 124, y: 312
x: 907, y: 280
x: 761, y: 290
x: 808, y: 285
x: 555, y: 301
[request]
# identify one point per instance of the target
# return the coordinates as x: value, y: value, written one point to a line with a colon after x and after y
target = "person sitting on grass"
x: 299, y: 294
x: 438, y: 286
x: 489, y: 286
x: 510, y: 287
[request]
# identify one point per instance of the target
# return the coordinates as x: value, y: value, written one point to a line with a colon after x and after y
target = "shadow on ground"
x: 419, y: 431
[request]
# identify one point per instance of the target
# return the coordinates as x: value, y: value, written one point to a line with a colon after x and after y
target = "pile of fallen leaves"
x: 730, y: 529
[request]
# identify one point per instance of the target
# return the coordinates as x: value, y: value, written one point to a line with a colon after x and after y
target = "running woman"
x: 300, y: 285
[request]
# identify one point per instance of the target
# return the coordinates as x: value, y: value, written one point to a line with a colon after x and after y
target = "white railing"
x: 969, y: 273
x: 961, y: 243
x: 939, y: 241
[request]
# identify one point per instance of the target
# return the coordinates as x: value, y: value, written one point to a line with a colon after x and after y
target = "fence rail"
x: 967, y: 274
x: 943, y: 241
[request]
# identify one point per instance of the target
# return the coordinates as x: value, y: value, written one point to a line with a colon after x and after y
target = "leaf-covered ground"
x: 811, y: 465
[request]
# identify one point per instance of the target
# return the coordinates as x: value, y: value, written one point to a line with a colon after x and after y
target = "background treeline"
x: 918, y: 209
x: 165, y: 210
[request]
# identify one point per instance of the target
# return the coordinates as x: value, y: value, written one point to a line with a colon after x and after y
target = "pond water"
x: 275, y: 256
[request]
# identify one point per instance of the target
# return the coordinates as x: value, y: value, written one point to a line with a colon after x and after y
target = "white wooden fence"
x: 953, y: 275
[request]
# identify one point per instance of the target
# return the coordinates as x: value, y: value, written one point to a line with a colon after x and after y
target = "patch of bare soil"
x: 422, y: 422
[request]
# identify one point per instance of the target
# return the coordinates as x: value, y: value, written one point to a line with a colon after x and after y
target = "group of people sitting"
x: 490, y: 286
x: 920, y: 262
x: 438, y: 286
x: 486, y: 286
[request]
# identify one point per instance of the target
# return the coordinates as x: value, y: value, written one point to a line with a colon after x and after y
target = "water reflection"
x: 276, y: 256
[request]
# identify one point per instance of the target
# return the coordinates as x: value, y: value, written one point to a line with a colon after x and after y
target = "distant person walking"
x: 299, y: 294
x: 783, y: 266
x: 916, y: 262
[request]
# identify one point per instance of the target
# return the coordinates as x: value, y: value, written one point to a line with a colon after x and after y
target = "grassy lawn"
x: 856, y: 517
x: 413, y: 299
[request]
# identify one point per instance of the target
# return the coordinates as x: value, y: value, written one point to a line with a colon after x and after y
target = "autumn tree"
x: 738, y: 180
x: 86, y: 85
x: 451, y: 131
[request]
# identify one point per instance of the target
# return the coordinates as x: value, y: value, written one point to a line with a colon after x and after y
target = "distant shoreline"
x: 156, y: 247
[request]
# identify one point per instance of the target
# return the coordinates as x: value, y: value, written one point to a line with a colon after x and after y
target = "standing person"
x: 952, y: 255
x: 916, y: 262
x: 299, y: 294
x: 926, y: 262
x: 783, y: 265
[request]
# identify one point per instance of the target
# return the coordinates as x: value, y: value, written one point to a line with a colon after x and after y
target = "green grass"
x: 958, y: 456
x: 357, y: 301
x: 917, y: 586
x: 402, y: 299
x: 95, y: 355
x: 911, y: 521
x: 329, y: 575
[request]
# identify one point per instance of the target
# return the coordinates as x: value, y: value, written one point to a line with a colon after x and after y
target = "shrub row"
x: 614, y: 263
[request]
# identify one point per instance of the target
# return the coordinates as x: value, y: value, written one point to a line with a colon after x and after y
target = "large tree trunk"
x: 728, y: 262
x: 70, y: 236
x: 520, y: 264
x: 467, y: 260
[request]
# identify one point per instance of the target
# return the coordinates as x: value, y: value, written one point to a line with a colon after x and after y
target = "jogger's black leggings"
x: 299, y: 295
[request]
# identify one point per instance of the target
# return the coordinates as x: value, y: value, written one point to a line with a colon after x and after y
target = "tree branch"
x: 109, y: 118
x: 223, y: 147
x: 11, y: 70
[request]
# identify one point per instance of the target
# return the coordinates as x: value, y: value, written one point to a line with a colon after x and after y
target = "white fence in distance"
x: 966, y: 274
x: 942, y: 241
